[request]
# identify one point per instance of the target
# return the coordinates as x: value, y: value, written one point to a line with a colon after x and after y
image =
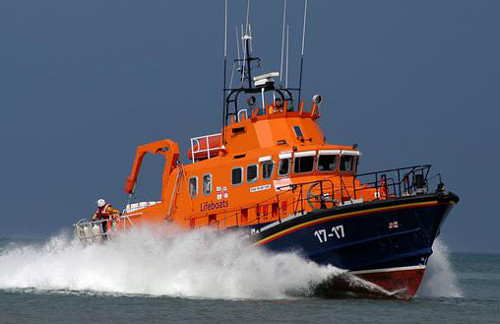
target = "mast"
x: 225, y: 72
x: 302, y: 51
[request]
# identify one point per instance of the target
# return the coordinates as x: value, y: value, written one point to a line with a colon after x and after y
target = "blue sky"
x: 82, y: 83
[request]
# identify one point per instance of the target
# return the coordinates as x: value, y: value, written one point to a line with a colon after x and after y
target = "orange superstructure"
x: 269, y: 167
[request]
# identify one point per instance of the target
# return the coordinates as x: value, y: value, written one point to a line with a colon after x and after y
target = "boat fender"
x: 87, y: 232
x: 96, y: 232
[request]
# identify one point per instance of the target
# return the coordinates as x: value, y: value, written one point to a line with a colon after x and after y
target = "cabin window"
x: 346, y: 163
x: 303, y: 164
x: 236, y: 176
x: 252, y: 173
x: 267, y: 169
x: 193, y: 186
x: 327, y: 163
x: 207, y: 184
x: 298, y: 131
x: 284, y: 167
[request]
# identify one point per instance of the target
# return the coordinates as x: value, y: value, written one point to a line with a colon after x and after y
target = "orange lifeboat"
x: 204, y: 147
x: 275, y: 177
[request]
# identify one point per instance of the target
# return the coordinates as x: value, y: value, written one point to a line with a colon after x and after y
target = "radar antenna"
x: 302, y: 51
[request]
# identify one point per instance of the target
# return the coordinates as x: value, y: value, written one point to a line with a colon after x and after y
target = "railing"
x: 320, y: 195
x: 395, y: 183
x: 91, y: 231
x: 310, y: 195
x: 196, y: 143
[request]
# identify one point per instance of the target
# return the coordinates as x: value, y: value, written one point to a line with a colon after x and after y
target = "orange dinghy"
x: 272, y: 173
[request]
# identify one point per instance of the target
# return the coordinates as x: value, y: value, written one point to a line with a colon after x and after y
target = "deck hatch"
x: 298, y: 131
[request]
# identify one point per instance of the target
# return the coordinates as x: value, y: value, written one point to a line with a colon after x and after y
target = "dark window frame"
x: 241, y: 179
x: 335, y: 163
x: 256, y: 173
x: 272, y: 169
x: 289, y: 160
x: 295, y: 164
x: 211, y: 184
x: 341, y: 164
x: 196, y: 187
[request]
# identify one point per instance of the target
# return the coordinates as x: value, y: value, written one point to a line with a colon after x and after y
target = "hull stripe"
x: 340, y: 216
x: 417, y: 267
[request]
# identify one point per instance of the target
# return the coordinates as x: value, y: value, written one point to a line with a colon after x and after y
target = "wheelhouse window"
x: 252, y: 173
x: 347, y: 163
x: 193, y: 186
x: 207, y: 184
x: 267, y: 169
x: 236, y: 176
x: 327, y: 162
x: 284, y: 167
x: 303, y: 164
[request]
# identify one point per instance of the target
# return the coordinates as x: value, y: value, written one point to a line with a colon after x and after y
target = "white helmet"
x: 101, y: 202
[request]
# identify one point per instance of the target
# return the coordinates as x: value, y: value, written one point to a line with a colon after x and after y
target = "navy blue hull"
x: 376, y: 235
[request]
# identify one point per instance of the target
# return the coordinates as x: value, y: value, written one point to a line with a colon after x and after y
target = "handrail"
x: 90, y: 231
x: 195, y: 143
x: 398, y: 182
x: 322, y: 196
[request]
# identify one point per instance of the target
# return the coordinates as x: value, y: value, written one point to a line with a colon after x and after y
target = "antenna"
x: 237, y: 43
x: 287, y: 42
x: 248, y: 13
x: 244, y: 54
x: 225, y: 28
x: 304, y: 28
x: 251, y: 38
x: 283, y: 40
x: 225, y: 72
x: 302, y: 51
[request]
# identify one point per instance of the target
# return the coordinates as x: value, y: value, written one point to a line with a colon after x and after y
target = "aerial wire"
x: 283, y: 40
x: 302, y: 51
x: 287, y: 42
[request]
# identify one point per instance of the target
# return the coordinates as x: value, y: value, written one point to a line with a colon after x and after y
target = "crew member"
x: 103, y: 213
x: 276, y: 106
x: 383, y: 185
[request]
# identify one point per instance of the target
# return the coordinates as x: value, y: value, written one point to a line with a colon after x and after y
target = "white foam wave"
x: 201, y: 263
x: 440, y: 279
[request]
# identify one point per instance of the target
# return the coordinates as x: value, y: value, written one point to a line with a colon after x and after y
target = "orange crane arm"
x: 165, y: 147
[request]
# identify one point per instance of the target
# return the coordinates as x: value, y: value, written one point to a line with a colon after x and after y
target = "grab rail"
x: 396, y: 183
x: 90, y: 231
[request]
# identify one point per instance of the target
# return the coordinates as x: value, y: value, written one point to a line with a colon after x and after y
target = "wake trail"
x: 201, y: 263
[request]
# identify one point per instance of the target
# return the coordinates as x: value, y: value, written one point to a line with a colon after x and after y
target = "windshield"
x: 303, y: 164
x: 348, y: 163
x: 327, y: 163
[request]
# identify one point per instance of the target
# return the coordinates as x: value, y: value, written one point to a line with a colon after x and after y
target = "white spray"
x: 439, y: 279
x: 201, y: 263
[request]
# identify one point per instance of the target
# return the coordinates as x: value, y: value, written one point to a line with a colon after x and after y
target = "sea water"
x: 203, y: 276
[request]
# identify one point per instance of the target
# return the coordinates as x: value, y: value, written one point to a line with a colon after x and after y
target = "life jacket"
x: 101, y: 212
x: 274, y: 109
x: 383, y: 185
